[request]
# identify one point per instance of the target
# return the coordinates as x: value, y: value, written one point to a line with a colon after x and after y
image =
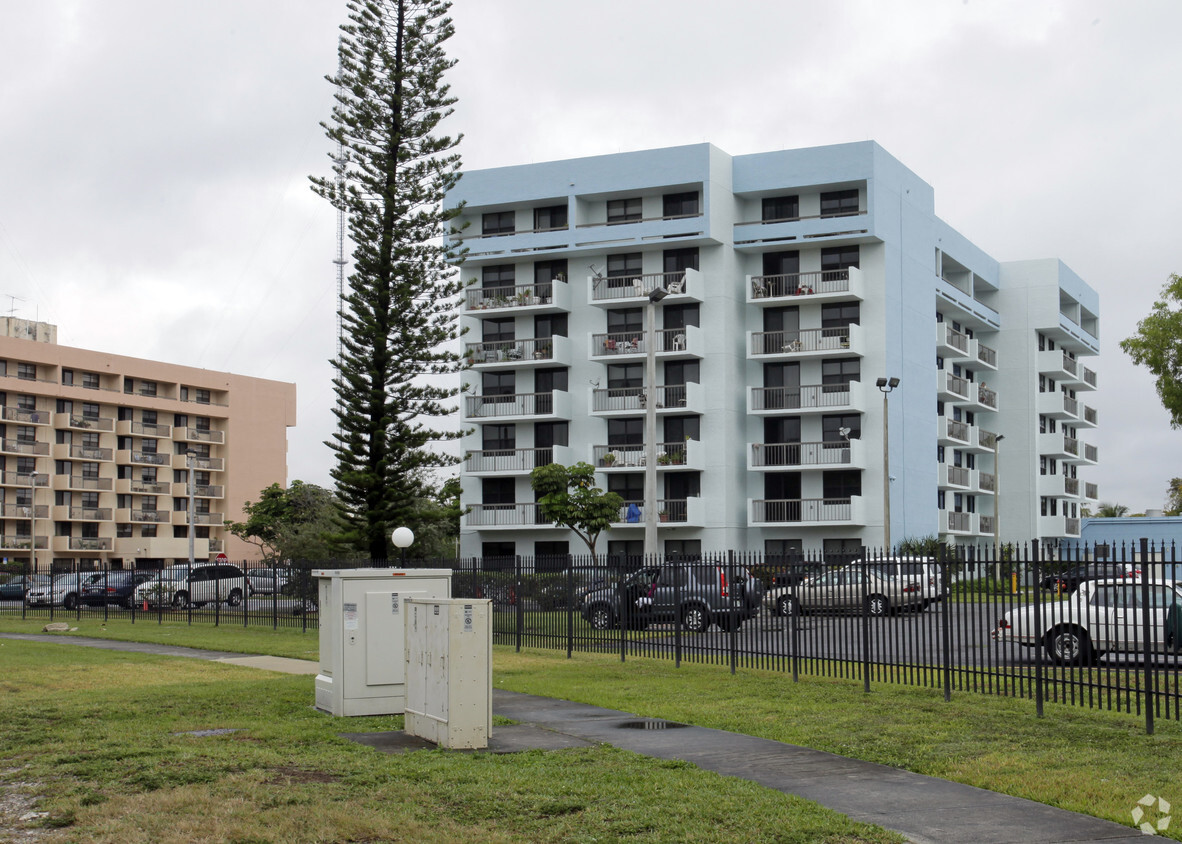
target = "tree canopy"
x: 1157, y: 345
x: 568, y: 496
x: 297, y: 523
x: 390, y: 175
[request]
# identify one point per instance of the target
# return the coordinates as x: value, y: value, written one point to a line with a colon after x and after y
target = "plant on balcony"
x: 664, y: 458
x: 663, y: 515
x: 609, y: 459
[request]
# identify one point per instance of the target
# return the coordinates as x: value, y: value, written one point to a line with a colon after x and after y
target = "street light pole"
x: 997, y: 490
x: 650, y: 424
x: 886, y: 385
x: 189, y: 456
x: 33, y: 520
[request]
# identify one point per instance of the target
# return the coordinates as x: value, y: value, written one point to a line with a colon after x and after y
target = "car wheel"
x: 1069, y: 646
x: 694, y: 619
x: 234, y: 598
x: 70, y: 602
x: 727, y: 623
x: 126, y: 603
x: 878, y: 605
x: 600, y: 617
x: 787, y: 605
x: 181, y: 600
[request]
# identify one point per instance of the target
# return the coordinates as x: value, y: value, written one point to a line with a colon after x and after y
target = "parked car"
x: 265, y: 581
x: 553, y: 595
x: 65, y: 590
x: 696, y: 594
x: 14, y: 588
x: 883, y: 587
x: 114, y: 587
x: 1099, y: 617
x: 1070, y: 579
x: 180, y: 586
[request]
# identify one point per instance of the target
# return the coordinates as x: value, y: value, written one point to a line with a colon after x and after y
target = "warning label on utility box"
x: 468, y: 625
x: 350, y: 616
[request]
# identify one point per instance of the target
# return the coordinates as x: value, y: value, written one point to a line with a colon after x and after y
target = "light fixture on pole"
x: 403, y: 537
x: 886, y: 385
x: 650, y: 423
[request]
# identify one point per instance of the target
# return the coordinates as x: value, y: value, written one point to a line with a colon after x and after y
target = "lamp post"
x: 886, y: 385
x: 997, y: 506
x: 189, y: 458
x: 650, y: 423
x: 33, y: 521
x: 403, y: 537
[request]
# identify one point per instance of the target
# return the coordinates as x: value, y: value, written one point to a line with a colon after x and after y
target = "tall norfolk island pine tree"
x: 391, y: 175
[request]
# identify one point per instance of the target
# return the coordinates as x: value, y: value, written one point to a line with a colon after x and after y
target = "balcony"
x: 985, y: 356
x: 181, y: 517
x: 83, y: 483
x: 24, y: 416
x: 9, y: 446
x: 79, y: 422
x: 685, y: 454
x: 762, y: 457
x: 158, y: 517
x: 1089, y: 418
x: 1091, y: 454
x: 21, y: 543
x: 799, y: 288
x: 514, y: 461
x: 807, y: 342
x: 24, y: 511
x: 954, y: 477
x: 682, y: 286
x: 952, y: 388
x: 82, y: 543
x: 511, y: 354
x: 622, y: 401
x: 504, y: 516
x: 818, y: 398
x: 671, y: 343
x: 86, y: 452
x: 1058, y: 526
x: 1092, y: 492
x: 551, y: 297
x: 208, y: 464
x: 953, y: 432
x: 986, y: 482
x: 536, y: 406
x: 1059, y: 446
x: 127, y: 486
x: 200, y: 435
x: 143, y: 458
x: 1058, y: 405
x: 952, y: 345
x: 128, y: 428
x: 950, y: 521
x: 985, y: 524
x: 671, y: 512
x: 23, y: 479
x: 1058, y: 486
x: 806, y: 511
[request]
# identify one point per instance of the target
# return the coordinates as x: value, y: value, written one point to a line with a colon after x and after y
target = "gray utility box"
x: 449, y: 671
x: 362, y: 636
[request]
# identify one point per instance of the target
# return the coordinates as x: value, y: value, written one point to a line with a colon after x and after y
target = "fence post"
x: 1035, y: 561
x: 1146, y: 636
x: 733, y: 621
x: 517, y: 600
x: 865, y: 622
x: 570, y: 606
x: 944, y: 575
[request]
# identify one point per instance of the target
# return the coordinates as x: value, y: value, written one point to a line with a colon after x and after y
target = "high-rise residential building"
x: 100, y: 453
x: 827, y: 352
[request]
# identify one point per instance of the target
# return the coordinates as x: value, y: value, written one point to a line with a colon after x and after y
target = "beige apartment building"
x: 96, y: 452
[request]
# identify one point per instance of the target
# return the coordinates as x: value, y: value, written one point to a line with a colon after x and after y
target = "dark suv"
x: 695, y: 594
x: 1069, y: 580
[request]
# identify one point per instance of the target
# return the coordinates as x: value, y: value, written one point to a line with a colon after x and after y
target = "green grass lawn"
x: 1089, y: 761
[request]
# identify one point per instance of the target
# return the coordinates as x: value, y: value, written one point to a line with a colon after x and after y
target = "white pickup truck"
x: 1102, y: 616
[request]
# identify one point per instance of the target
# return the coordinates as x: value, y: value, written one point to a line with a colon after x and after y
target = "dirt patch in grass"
x: 291, y: 776
x: 19, y: 818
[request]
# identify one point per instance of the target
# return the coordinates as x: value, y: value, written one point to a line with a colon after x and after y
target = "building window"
x: 550, y: 217
x: 202, y: 397
x: 498, y: 275
x: 840, y: 371
x: 839, y: 257
x: 839, y: 314
x: 621, y: 269
x: 781, y: 263
x: 26, y: 371
x: 546, y: 272
x: 629, y: 487
x: 498, y: 437
x: 680, y: 260
x: 497, y: 330
x: 26, y: 402
x: 90, y: 410
x: 501, y: 384
x: 497, y: 491
x: 551, y: 556
x: 148, y: 417
x: 839, y: 203
x: 831, y: 427
x: 496, y: 556
x: 624, y: 210
x: 550, y: 325
x: 682, y: 372
x: 180, y: 420
x: 201, y: 423
x: 147, y: 388
x: 625, y: 320
x: 625, y: 432
x: 780, y: 208
x: 549, y: 380
x: 625, y: 375
x: 67, y: 377
x: 499, y: 222
x: 90, y: 380
x: 683, y: 204
x: 26, y: 434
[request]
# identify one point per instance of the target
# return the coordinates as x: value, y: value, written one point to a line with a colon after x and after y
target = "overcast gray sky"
x: 155, y: 200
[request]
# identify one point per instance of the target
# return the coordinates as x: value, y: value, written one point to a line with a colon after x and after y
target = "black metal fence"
x: 1099, y: 628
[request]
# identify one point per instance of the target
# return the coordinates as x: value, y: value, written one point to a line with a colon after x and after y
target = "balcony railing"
x: 508, y: 459
x: 632, y: 286
x: 24, y: 511
x: 800, y: 454
x: 511, y: 296
x: 805, y: 340
x: 1071, y: 486
x: 796, y: 398
x: 203, y: 435
x: 960, y: 522
x: 802, y: 510
x: 23, y: 447
x: 87, y: 482
x: 958, y: 430
x: 149, y: 516
x: 632, y: 342
x: 208, y: 491
x: 500, y: 351
x: 987, y: 355
x: 1091, y: 491
x: 956, y: 339
x: 148, y: 429
x: 21, y: 543
x: 625, y: 456
x: 150, y: 458
x: 211, y: 464
x: 1091, y: 453
x: 91, y: 423
x: 86, y: 452
x: 510, y: 404
x: 208, y: 518
x: 23, y: 479
x: 987, y: 397
x: 986, y: 481
x: 668, y: 510
x: 21, y: 414
x: 987, y: 439
x: 150, y: 487
x: 958, y: 476
x: 486, y: 515
x: 800, y: 284
x: 91, y: 514
x: 82, y: 543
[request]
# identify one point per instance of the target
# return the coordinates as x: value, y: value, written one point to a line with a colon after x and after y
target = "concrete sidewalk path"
x: 925, y: 809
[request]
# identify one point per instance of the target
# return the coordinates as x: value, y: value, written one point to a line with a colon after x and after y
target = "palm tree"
x: 1107, y: 510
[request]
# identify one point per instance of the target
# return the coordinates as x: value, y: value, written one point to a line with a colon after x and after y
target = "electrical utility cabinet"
x: 449, y: 671
x: 363, y: 635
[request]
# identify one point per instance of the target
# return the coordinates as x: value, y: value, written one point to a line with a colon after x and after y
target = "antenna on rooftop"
x: 12, y: 300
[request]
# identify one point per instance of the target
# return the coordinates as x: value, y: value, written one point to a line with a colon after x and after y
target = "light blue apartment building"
x: 800, y: 284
